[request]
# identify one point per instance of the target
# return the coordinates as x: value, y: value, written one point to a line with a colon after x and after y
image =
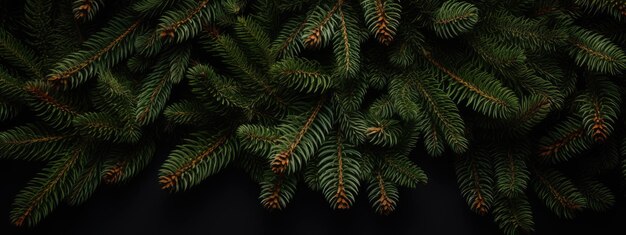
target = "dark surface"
x: 228, y: 203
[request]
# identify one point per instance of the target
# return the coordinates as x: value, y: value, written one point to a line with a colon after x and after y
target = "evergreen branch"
x: 433, y: 138
x: 479, y: 89
x: 114, y: 96
x: 19, y: 55
x: 559, y: 193
x: 258, y: 139
x: 53, y: 108
x: 345, y: 40
x: 171, y: 28
x: 277, y: 190
x: 84, y: 60
x: 443, y: 112
x: 43, y: 194
x: 559, y: 144
x: 403, y: 171
x: 564, y: 141
x: 527, y: 33
x: 454, y: 18
x: 596, y: 52
x: 319, y: 25
x: 256, y: 38
x: 242, y: 66
x: 474, y: 175
x: 346, y: 44
x: 288, y: 43
x: 616, y: 8
x: 86, y: 184
x: 186, y: 112
x: 187, y: 21
x: 224, y: 90
x: 45, y: 97
x: 532, y: 110
x: 156, y: 88
x: 599, y: 108
x: 385, y: 132
x: 10, y: 87
x: 302, y: 75
x: 514, y: 215
x: 30, y: 142
x: 196, y: 160
x: 150, y: 8
x: 599, y: 196
x: 382, y: 194
x: 511, y: 172
x: 85, y: 10
x: 106, y: 127
x: 125, y: 162
x: 338, y: 172
x: 383, y: 18
x: 281, y: 160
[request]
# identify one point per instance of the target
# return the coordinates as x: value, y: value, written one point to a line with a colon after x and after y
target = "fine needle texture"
x: 523, y: 96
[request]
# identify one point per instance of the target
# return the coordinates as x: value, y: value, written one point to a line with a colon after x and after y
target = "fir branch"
x: 382, y: 194
x: 84, y: 60
x: 492, y: 98
x: 338, y: 172
x: 277, y: 190
x: 195, y: 160
x: 288, y: 42
x: 558, y: 192
x: 43, y: 194
x: 383, y: 18
x: 19, y: 55
x: 319, y: 25
x: 281, y: 160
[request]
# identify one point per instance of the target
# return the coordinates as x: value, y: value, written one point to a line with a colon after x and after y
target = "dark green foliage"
x: 438, y: 107
x: 559, y: 193
x: 200, y: 156
x: 86, y: 9
x: 155, y: 89
x: 302, y: 75
x: 514, y: 215
x: 16, y: 54
x: 106, y: 127
x: 30, y: 142
x: 339, y: 172
x: 86, y: 183
x: 383, y: 18
x: 511, y: 172
x: 475, y: 177
x: 597, y: 52
x: 599, y: 107
x: 402, y: 171
x: 105, y: 48
x: 383, y: 194
x: 45, y: 191
x: 564, y: 141
x: 126, y: 161
x: 186, y: 112
x: 615, y: 8
x: 186, y: 18
x: 277, y: 190
x: 454, y: 18
x: 599, y: 197
x: 482, y: 92
x: 300, y: 138
x: 48, y: 104
x: 333, y: 93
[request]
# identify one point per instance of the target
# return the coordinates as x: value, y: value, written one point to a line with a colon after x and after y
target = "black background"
x: 228, y: 203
